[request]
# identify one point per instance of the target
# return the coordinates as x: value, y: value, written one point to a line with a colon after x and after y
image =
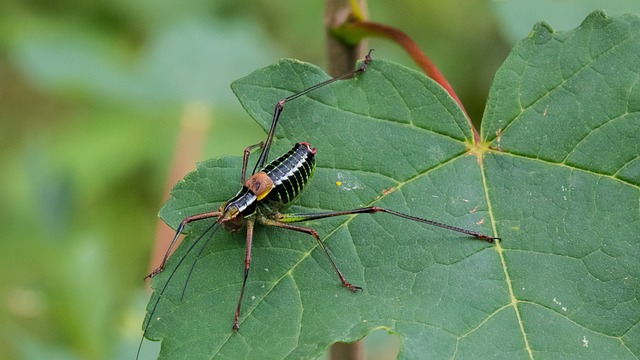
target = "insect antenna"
x: 184, y: 288
x: 211, y: 230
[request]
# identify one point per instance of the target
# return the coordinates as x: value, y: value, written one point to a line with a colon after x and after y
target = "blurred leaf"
x: 517, y: 15
x: 563, y: 282
x: 183, y: 63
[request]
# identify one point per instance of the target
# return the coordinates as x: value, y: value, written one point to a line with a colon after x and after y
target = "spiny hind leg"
x: 290, y: 218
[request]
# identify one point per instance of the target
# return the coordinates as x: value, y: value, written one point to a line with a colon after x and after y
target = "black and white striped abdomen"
x: 290, y: 173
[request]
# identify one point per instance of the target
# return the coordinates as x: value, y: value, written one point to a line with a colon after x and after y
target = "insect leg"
x: 313, y: 233
x: 247, y: 263
x: 280, y: 105
x: 245, y: 160
x: 184, y: 222
x: 288, y: 218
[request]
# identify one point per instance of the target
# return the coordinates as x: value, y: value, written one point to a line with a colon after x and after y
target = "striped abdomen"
x: 290, y: 173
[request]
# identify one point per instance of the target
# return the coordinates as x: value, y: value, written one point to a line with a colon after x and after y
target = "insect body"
x: 273, y: 189
x: 269, y: 190
x: 289, y: 174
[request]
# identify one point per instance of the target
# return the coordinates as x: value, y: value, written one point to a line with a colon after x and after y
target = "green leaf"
x: 563, y: 282
x: 564, y: 110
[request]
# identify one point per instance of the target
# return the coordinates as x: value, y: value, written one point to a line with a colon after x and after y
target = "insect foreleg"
x: 247, y: 263
x: 313, y: 233
x: 184, y: 222
x: 245, y: 160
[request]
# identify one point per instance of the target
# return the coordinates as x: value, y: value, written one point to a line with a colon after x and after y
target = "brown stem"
x: 342, y: 55
x: 341, y: 59
x: 345, y: 351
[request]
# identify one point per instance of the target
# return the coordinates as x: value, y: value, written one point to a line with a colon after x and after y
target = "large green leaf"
x: 558, y: 180
x: 564, y: 111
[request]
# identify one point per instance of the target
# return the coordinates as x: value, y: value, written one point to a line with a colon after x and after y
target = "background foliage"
x: 91, y: 100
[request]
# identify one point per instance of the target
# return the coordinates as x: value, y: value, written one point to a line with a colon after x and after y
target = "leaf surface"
x: 557, y: 179
x: 564, y: 110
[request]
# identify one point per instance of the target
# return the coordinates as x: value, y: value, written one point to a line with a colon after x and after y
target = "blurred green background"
x: 93, y: 96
